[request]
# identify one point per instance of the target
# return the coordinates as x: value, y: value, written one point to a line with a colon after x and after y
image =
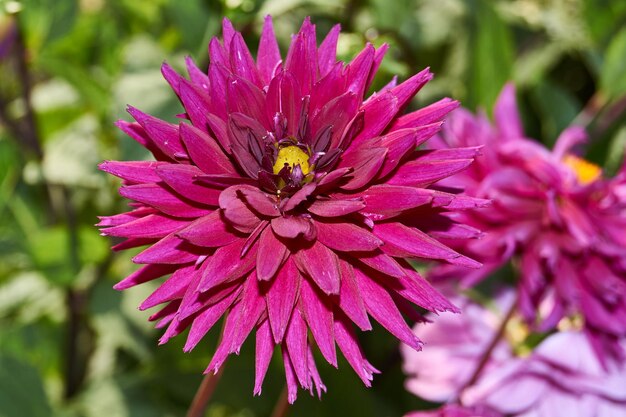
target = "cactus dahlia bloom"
x: 554, y: 213
x: 288, y: 203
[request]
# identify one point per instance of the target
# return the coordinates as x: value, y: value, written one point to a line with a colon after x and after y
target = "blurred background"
x: 72, y: 346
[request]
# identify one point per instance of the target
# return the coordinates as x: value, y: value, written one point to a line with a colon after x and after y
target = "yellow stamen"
x: 292, y: 156
x: 586, y: 172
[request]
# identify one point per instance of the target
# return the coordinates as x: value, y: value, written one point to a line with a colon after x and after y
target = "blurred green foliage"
x: 72, y: 346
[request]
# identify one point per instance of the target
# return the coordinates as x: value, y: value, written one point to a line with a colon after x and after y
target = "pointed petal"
x: 327, y: 54
x: 181, y: 178
x: 271, y: 255
x: 346, y: 237
x: 322, y: 265
x: 210, y: 231
x: 380, y: 305
x: 347, y: 342
x: 319, y: 316
x: 138, y: 172
x: 336, y: 207
x: 205, y: 152
x: 205, y: 320
x: 144, y: 274
x: 281, y: 298
x: 268, y: 55
x: 169, y: 250
x: 153, y: 226
x: 263, y: 354
x: 406, y: 242
x: 350, y: 299
x: 297, y: 346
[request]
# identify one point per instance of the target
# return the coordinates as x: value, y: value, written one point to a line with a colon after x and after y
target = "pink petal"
x: 169, y: 250
x: 164, y: 135
x: 245, y: 97
x: 350, y: 299
x: 205, y: 320
x: 402, y: 142
x: 283, y: 96
x: 380, y: 305
x: 405, y: 242
x: 154, y: 226
x: 205, y: 151
x: 181, y: 179
x: 319, y: 316
x: 261, y: 202
x: 281, y: 297
x: 268, y: 55
x: 271, y: 255
x: 506, y: 115
x: 426, y: 115
x: 346, y: 237
x: 379, y: 112
x: 138, y: 172
x: 144, y: 274
x: 335, y: 207
x: 263, y: 354
x: 327, y: 53
x: 358, y: 71
x: 209, y: 231
x: 291, y: 227
x: 197, y: 76
x: 225, y: 265
x: 382, y: 263
x: 421, y: 173
x: 347, y: 342
x: 290, y: 376
x: 241, y: 61
x: 196, y: 103
x: 299, y: 196
x: 378, y: 197
x: 322, y: 265
x: 365, y: 162
x: 297, y: 346
x: 236, y: 211
x: 249, y: 311
x: 137, y: 132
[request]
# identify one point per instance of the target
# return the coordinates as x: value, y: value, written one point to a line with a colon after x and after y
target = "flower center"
x: 292, y: 156
x: 585, y: 171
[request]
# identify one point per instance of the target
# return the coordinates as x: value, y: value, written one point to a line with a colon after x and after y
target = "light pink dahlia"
x: 559, y: 377
x: 554, y: 214
x: 287, y: 203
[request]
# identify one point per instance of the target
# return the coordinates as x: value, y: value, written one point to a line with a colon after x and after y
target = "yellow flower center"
x: 292, y: 156
x: 585, y: 171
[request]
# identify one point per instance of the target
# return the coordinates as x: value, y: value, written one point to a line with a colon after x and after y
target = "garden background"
x: 70, y: 345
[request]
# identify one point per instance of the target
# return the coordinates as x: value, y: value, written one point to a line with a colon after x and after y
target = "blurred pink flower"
x: 454, y: 345
x: 287, y: 203
x: 561, y: 377
x: 554, y: 213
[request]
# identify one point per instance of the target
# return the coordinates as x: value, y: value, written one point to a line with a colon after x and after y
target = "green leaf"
x: 491, y: 56
x: 21, y: 390
x: 558, y: 108
x: 612, y: 79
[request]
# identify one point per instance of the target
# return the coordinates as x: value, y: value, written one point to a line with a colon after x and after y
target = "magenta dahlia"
x: 287, y: 203
x: 554, y: 214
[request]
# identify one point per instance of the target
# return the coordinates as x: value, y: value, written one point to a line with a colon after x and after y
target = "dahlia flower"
x: 561, y: 376
x: 554, y: 213
x: 287, y: 203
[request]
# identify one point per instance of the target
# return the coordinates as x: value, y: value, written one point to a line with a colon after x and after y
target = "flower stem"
x: 204, y: 393
x: 281, y: 409
x: 484, y: 359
